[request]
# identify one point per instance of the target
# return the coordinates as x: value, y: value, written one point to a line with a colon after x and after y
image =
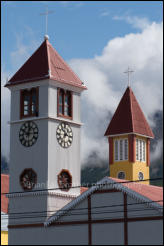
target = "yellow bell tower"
x: 129, y: 141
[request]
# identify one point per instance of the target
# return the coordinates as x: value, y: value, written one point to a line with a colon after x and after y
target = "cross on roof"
x: 46, y: 14
x: 129, y: 72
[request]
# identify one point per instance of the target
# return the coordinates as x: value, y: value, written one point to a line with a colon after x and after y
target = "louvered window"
x: 116, y: 150
x: 126, y: 149
x: 140, y: 150
x: 121, y: 149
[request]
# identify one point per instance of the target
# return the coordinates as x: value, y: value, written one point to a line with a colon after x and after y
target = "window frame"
x: 70, y: 183
x: 140, y: 150
x: 70, y: 103
x: 122, y: 153
x: 29, y: 92
x: 140, y: 173
x: 121, y: 172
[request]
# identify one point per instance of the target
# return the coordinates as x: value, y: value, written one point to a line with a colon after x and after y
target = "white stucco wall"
x: 46, y: 157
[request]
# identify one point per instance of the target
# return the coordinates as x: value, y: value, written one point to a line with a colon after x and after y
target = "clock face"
x: 28, y: 179
x: 64, y: 135
x: 28, y: 133
x: 64, y: 180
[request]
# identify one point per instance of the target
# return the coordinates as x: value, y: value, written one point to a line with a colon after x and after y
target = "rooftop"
x: 129, y: 118
x: 45, y: 63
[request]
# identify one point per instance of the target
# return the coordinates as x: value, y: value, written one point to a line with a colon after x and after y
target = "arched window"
x: 64, y: 105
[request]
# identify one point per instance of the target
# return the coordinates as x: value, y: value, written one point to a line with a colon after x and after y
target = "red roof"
x: 4, y: 189
x: 45, y: 63
x: 154, y: 193
x: 129, y: 117
x: 83, y: 189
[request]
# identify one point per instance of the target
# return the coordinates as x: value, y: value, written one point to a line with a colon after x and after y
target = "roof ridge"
x: 131, y: 109
x: 48, y: 57
x: 62, y: 60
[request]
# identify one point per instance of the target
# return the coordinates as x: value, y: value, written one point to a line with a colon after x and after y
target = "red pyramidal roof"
x: 129, y: 117
x: 45, y: 63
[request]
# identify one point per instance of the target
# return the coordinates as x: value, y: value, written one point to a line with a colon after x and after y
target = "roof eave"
x: 83, y: 87
x: 9, y: 84
x: 121, y: 134
x: 108, y: 181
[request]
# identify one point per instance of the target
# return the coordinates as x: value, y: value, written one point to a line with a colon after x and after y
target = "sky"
x: 99, y: 40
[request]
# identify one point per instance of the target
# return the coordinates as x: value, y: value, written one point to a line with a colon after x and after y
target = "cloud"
x: 23, y: 50
x: 5, y: 113
x: 17, y: 58
x: 106, y: 82
x: 156, y: 153
x: 104, y: 13
x: 75, y: 4
x: 136, y: 22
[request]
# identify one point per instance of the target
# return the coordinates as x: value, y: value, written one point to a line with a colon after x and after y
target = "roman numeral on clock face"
x: 64, y: 135
x: 28, y: 133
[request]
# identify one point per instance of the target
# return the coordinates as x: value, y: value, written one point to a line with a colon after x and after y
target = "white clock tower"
x: 44, y: 136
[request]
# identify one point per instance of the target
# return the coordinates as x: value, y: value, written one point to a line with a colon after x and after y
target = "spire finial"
x: 129, y: 72
x: 46, y: 13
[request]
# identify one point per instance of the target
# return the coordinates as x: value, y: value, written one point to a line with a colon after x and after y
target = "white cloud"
x: 75, y: 4
x: 105, y: 13
x: 21, y: 53
x: 136, y: 22
x: 155, y: 154
x: 106, y: 82
x: 5, y: 113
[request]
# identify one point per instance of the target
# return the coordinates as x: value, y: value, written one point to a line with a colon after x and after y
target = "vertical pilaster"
x: 132, y: 148
x: 110, y: 140
x: 148, y: 152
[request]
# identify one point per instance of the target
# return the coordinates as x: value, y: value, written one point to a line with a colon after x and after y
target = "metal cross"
x: 128, y: 72
x: 46, y: 14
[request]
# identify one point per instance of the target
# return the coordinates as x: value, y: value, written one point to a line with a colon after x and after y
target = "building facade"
x: 110, y: 213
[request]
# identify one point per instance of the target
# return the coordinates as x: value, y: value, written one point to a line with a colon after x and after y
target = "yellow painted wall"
x: 123, y: 166
x: 140, y: 167
x: 131, y: 169
x: 4, y: 237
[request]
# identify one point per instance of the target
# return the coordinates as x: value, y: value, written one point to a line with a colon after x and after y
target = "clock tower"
x: 45, y: 129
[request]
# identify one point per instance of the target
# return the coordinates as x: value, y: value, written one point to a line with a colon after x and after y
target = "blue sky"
x: 99, y: 40
x: 77, y: 29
